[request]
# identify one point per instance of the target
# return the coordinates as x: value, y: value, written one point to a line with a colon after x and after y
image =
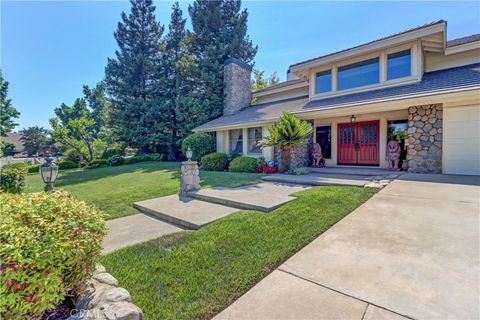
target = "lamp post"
x: 49, y: 172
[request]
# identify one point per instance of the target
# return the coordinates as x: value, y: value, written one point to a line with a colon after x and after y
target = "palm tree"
x: 287, y: 135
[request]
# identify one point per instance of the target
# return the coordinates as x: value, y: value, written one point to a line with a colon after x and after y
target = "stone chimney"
x: 238, y: 93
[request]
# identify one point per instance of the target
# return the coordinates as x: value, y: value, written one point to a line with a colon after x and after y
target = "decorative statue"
x: 318, y: 160
x: 393, y: 154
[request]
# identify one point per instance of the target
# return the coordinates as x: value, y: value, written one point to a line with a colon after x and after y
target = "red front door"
x: 358, y: 143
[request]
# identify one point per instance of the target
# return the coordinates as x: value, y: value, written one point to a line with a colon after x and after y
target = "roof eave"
x: 463, y: 47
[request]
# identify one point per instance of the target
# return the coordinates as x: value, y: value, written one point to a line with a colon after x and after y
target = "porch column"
x: 383, y: 142
x: 221, y: 141
x: 267, y: 152
x: 333, y: 160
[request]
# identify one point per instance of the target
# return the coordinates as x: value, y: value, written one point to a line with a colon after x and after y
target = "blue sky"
x: 50, y: 49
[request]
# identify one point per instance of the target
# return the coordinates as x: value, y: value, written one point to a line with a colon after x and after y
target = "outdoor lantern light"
x: 353, y: 118
x: 189, y: 154
x: 48, y: 171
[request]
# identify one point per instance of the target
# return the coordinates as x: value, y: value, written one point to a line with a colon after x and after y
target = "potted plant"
x: 287, y: 135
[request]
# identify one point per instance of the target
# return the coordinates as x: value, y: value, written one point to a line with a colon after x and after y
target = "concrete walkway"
x: 127, y: 231
x: 412, y: 251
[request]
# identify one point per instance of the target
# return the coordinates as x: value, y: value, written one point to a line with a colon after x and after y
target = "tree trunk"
x: 285, y: 158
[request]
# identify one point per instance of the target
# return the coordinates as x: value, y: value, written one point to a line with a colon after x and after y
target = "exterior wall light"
x: 48, y: 172
x: 353, y: 118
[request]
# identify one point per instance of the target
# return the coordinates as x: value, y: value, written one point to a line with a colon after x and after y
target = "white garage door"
x: 461, y: 138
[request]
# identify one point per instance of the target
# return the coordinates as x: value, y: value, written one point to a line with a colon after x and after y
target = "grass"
x: 194, y: 275
x: 115, y: 189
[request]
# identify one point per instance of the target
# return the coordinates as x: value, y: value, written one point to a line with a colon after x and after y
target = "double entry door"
x: 358, y: 143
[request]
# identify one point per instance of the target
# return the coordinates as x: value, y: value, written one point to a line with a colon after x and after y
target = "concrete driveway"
x: 412, y: 251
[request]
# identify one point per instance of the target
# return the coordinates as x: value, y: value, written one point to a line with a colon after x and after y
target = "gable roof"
x: 371, y: 42
x: 436, y: 82
x: 281, y: 85
x: 463, y: 40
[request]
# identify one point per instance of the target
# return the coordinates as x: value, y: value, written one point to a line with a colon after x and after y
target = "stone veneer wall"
x: 237, y: 90
x: 424, y: 153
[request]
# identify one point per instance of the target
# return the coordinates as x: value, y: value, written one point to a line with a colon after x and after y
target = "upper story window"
x: 359, y: 74
x: 398, y: 65
x: 236, y: 141
x: 323, y: 81
x: 254, y: 138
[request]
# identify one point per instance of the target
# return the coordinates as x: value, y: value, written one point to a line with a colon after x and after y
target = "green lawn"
x: 194, y: 275
x: 115, y: 189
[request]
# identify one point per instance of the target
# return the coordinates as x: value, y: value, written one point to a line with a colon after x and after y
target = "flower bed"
x: 266, y: 170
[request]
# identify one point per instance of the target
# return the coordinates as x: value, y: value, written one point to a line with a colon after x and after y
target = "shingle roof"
x: 463, y: 77
x: 368, y: 43
x: 282, y: 84
x: 463, y: 40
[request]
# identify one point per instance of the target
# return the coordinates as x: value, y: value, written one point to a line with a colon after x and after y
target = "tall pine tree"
x: 7, y: 111
x: 219, y: 32
x: 174, y: 82
x: 132, y: 78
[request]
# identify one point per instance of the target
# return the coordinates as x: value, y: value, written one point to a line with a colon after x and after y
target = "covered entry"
x: 358, y: 143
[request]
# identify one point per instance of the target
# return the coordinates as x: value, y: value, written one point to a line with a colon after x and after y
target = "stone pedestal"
x: 190, y: 179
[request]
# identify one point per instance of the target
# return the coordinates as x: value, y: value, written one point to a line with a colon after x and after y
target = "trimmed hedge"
x: 136, y: 159
x: 243, y: 164
x: 215, y: 162
x: 200, y: 143
x: 12, y: 178
x: 67, y: 164
x: 49, y: 244
x: 34, y: 168
x: 98, y: 163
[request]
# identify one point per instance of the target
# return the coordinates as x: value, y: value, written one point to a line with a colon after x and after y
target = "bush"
x: 67, y: 164
x: 136, y: 159
x: 243, y: 164
x: 34, y: 168
x: 215, y: 162
x: 112, y: 152
x: 12, y: 178
x: 98, y: 163
x: 116, y: 160
x: 73, y: 155
x: 156, y: 156
x: 49, y: 244
x: 261, y: 162
x: 200, y: 143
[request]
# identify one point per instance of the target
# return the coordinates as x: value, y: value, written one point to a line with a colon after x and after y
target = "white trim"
x: 462, y: 47
x: 268, y: 91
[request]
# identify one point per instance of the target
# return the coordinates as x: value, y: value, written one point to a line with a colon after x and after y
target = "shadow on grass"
x: 86, y: 175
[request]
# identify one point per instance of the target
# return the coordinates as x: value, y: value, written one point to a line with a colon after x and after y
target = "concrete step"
x: 313, y: 179
x: 263, y: 197
x: 184, y: 211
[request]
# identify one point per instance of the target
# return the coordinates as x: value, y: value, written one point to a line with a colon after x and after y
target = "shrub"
x: 243, y: 164
x: 200, y: 143
x: 98, y: 163
x: 261, y: 162
x: 73, y: 155
x: 49, y: 244
x: 112, y: 152
x: 67, y: 164
x: 215, y: 162
x: 12, y: 178
x: 136, y: 159
x: 116, y: 160
x: 266, y: 169
x: 156, y: 156
x: 34, y: 168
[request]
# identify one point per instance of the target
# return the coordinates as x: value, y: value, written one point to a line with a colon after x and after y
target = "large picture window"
x: 398, y: 64
x: 323, y: 81
x: 359, y: 74
x: 324, y: 139
x: 254, y: 138
x: 236, y: 141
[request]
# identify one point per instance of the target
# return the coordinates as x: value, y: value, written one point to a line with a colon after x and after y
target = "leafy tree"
x: 287, y: 134
x: 81, y: 127
x: 174, y: 85
x: 259, y: 82
x: 219, y: 32
x: 7, y: 111
x: 7, y: 149
x: 35, y: 140
x: 132, y: 77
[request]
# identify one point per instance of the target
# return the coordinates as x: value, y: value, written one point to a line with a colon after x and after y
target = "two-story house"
x: 413, y: 86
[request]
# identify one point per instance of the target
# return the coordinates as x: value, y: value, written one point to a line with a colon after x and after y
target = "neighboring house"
x: 15, y: 139
x: 359, y: 98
